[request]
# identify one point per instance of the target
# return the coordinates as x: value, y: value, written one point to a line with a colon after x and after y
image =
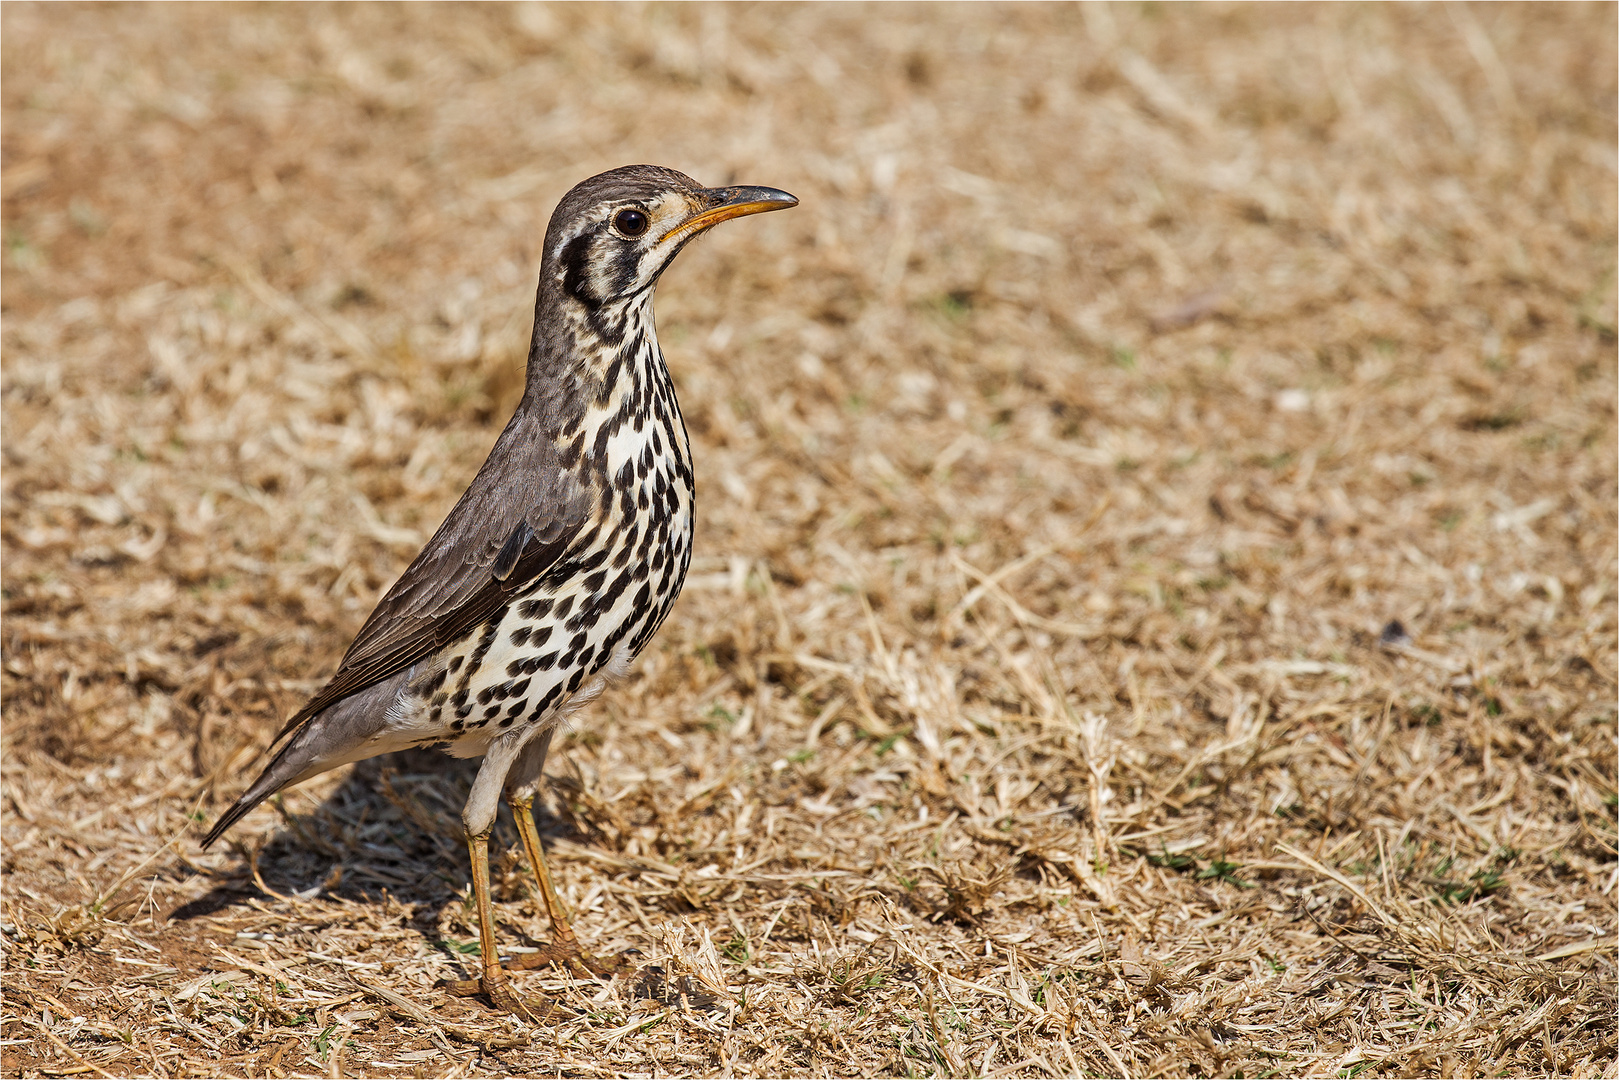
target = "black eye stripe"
x: 575, y: 261
x: 630, y: 222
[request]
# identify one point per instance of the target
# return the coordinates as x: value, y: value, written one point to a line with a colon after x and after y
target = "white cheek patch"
x: 667, y: 212
x: 670, y: 210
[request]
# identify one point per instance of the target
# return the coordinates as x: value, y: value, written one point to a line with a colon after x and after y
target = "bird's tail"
x: 282, y: 771
x: 351, y: 729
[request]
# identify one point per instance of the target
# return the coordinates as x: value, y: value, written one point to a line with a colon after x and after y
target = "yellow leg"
x: 563, y: 949
x: 523, y: 812
x: 492, y: 981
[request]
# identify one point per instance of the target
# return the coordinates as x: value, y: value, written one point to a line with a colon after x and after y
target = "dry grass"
x: 1036, y: 705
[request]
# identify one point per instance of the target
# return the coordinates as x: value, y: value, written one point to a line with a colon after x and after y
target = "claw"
x: 567, y: 955
x: 500, y: 994
x: 533, y: 1009
x: 460, y: 987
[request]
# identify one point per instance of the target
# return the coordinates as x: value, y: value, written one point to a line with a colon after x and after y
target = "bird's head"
x: 612, y: 235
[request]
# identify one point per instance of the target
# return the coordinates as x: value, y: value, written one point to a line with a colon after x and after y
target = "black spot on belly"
x: 520, y: 688
x: 622, y: 557
x: 541, y: 663
x: 438, y: 699
x: 491, y: 712
x: 593, y: 583
x: 548, y: 700
x: 535, y: 609
x: 436, y: 713
x: 460, y: 698
x: 520, y: 635
x: 516, y: 709
x: 488, y: 638
x: 541, y: 636
x: 563, y: 608
x: 614, y: 591
x: 573, y: 683
x: 455, y: 664
x: 485, y: 694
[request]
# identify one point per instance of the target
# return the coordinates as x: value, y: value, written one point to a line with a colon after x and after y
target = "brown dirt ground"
x: 1066, y: 461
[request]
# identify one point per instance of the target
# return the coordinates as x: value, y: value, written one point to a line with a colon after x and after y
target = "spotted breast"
x: 554, y: 647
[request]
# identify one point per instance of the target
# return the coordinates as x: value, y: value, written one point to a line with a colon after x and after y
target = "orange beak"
x: 732, y: 202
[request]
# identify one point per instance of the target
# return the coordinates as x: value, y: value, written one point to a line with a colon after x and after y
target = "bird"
x: 558, y: 564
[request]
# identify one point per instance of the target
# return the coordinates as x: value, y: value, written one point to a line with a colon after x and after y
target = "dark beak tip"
x: 779, y: 200
x: 750, y: 194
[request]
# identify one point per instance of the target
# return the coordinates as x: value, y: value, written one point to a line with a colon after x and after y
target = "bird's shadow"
x: 389, y: 834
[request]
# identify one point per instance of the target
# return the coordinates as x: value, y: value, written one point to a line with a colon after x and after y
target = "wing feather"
x: 516, y: 520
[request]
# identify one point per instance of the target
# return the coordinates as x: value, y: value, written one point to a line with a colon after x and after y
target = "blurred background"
x: 1160, y: 434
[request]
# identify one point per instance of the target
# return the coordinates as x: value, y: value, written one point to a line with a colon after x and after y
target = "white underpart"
x: 483, y: 801
x: 409, y: 720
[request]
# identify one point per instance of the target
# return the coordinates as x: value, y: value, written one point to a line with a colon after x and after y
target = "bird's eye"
x: 630, y: 222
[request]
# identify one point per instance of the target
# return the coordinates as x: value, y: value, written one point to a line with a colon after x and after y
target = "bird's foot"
x: 566, y: 953
x: 500, y: 993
